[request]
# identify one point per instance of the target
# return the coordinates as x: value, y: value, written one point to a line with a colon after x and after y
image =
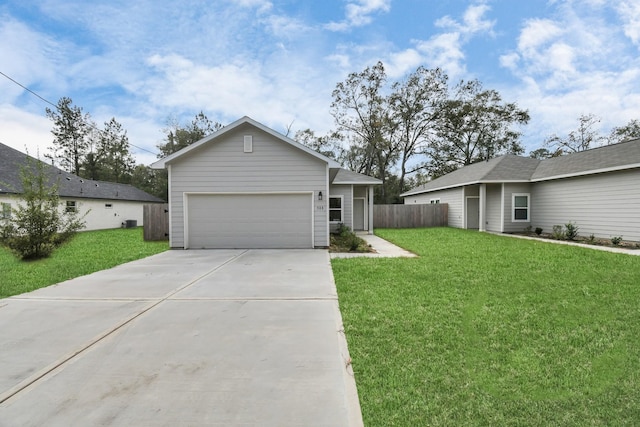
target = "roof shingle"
x: 511, y: 168
x: 69, y: 185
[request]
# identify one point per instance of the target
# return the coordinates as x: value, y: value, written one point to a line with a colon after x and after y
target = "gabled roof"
x: 511, y: 168
x: 161, y: 164
x: 344, y: 176
x: 507, y: 168
x: 69, y: 185
x: 608, y: 158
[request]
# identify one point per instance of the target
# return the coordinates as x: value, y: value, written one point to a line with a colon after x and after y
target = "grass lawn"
x: 88, y: 252
x: 492, y: 330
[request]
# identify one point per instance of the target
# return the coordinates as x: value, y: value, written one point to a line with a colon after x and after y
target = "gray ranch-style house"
x: 597, y: 189
x: 103, y: 204
x: 248, y: 186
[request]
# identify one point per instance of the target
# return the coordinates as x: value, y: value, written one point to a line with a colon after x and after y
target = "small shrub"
x: 343, y: 230
x: 592, y: 239
x: 616, y: 240
x: 571, y: 231
x: 37, y: 225
x: 527, y: 230
x: 538, y: 231
x: 558, y: 232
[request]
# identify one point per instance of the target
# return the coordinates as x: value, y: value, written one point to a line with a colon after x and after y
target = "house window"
x: 5, y: 210
x: 434, y: 201
x: 335, y: 209
x: 71, y: 206
x: 520, y: 203
x: 108, y: 206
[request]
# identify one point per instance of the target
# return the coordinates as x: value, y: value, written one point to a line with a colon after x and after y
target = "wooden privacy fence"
x: 410, y: 216
x: 155, y: 218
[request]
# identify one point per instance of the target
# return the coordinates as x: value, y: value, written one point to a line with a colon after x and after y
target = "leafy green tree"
x: 91, y: 167
x: 581, y: 139
x: 39, y: 224
x: 179, y: 136
x: 150, y: 180
x: 630, y: 131
x: 70, y: 130
x: 116, y: 161
x: 361, y: 113
x: 474, y: 125
x: 325, y: 145
x: 415, y: 105
x: 544, y: 153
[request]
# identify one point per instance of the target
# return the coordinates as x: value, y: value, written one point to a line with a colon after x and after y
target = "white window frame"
x: 434, y: 201
x: 71, y: 206
x: 335, y: 209
x: 5, y: 210
x: 513, y: 207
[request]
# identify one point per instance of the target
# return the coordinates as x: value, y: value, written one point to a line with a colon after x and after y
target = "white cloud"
x: 28, y: 57
x: 577, y: 61
x: 275, y: 94
x: 24, y: 131
x: 359, y: 13
x: 472, y: 21
x: 629, y: 12
x: 400, y: 63
x: 445, y: 50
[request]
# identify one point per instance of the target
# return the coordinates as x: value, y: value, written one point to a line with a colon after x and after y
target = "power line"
x: 91, y: 125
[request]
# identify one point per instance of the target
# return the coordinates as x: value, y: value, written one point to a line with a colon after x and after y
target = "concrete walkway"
x: 183, y: 338
x: 383, y: 249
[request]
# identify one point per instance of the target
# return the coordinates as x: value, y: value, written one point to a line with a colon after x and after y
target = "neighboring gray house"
x: 247, y: 186
x: 598, y: 189
x: 104, y: 204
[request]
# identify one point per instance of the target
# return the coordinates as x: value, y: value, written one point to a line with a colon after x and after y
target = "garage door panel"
x: 250, y: 220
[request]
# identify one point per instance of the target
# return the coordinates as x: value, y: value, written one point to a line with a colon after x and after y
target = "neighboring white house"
x: 247, y: 186
x: 106, y: 204
x: 598, y: 189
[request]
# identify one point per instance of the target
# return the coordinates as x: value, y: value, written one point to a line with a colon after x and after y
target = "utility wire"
x: 91, y: 125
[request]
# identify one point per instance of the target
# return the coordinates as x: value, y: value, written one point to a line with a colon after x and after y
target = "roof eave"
x: 464, y: 184
x: 376, y: 182
x: 162, y: 163
x: 588, y: 172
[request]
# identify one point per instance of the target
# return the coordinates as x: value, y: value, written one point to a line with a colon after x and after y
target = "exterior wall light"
x: 319, y: 195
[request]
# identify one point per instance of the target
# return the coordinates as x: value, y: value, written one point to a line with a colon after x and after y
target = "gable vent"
x: 248, y: 144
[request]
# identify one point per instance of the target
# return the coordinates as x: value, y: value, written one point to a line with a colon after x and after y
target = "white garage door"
x: 249, y: 221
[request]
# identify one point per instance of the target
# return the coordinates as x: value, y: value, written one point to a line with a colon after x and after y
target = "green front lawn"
x: 492, y: 330
x: 88, y: 252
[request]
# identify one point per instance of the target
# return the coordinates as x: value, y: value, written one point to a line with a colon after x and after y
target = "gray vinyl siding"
x: 347, y: 204
x: 604, y: 205
x: 493, y: 205
x: 223, y: 167
x: 509, y: 225
x: 453, y: 197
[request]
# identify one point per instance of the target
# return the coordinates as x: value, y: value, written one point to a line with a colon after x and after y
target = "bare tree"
x: 581, y: 139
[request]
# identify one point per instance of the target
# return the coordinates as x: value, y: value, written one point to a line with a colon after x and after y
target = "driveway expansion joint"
x: 31, y: 380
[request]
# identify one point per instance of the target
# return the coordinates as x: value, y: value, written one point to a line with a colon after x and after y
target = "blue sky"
x: 278, y: 61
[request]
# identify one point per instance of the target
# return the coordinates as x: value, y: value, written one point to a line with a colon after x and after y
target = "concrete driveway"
x: 183, y: 338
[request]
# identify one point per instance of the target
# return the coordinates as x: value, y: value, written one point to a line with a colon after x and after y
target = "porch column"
x: 370, y: 222
x: 483, y: 207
